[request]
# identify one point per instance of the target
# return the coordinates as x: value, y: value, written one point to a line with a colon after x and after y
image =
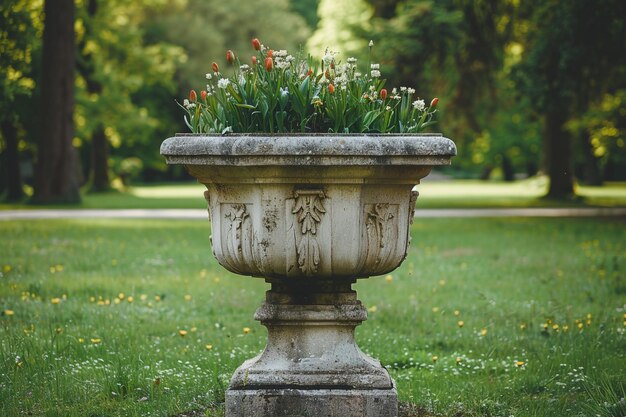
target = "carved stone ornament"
x: 310, y: 214
x: 309, y: 211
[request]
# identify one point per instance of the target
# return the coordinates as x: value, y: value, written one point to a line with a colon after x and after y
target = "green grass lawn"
x: 435, y: 193
x: 486, y: 317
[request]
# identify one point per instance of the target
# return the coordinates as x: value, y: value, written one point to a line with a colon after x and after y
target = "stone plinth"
x: 310, y: 215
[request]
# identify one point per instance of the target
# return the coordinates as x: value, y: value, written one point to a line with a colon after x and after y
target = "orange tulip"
x: 230, y: 56
x: 215, y: 67
x: 383, y: 94
x: 256, y: 44
x: 269, y: 64
x: 192, y: 95
x: 433, y: 103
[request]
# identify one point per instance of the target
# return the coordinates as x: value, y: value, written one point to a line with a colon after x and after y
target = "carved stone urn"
x: 310, y: 215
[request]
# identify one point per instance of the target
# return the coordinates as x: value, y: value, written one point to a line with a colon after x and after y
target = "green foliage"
x: 116, y: 68
x: 284, y: 94
x: 20, y: 30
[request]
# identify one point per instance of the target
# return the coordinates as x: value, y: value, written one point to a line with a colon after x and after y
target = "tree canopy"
x: 524, y: 87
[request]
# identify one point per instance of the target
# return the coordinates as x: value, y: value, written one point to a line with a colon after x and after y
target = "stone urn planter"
x: 310, y: 215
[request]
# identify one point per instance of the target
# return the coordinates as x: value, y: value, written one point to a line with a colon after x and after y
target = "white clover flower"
x: 419, y: 105
x: 375, y: 66
x: 375, y: 74
x: 209, y: 76
x: 371, y: 43
x: 223, y: 83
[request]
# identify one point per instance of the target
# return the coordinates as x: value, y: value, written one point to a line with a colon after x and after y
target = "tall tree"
x: 575, y: 51
x: 57, y: 174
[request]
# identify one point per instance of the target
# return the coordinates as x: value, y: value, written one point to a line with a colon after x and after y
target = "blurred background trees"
x: 525, y: 87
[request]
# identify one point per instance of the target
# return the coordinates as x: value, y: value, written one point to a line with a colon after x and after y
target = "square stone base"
x: 311, y: 403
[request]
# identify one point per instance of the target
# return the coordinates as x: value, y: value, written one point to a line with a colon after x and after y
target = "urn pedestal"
x: 310, y: 215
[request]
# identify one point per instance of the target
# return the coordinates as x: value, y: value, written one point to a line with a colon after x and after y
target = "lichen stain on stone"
x: 269, y: 219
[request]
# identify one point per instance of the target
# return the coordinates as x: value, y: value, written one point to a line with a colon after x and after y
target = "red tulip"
x: 269, y: 64
x: 215, y: 67
x: 203, y: 94
x: 270, y: 53
x: 331, y: 88
x: 230, y: 56
x: 192, y: 95
x: 256, y: 44
x: 433, y: 103
x: 254, y: 60
x: 383, y: 94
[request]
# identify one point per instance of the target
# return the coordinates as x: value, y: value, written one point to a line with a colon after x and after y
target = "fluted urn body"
x: 310, y: 214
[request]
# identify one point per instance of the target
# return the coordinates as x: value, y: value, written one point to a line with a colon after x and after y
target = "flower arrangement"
x: 279, y: 93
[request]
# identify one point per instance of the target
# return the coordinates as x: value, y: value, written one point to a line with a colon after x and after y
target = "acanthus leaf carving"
x: 308, y: 208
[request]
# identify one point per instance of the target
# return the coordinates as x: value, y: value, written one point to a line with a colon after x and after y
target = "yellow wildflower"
x: 461, y: 323
x: 182, y: 333
x: 389, y: 278
x: 457, y: 313
x: 8, y: 313
x: 55, y: 300
x: 520, y: 363
x: 435, y: 358
x: 483, y: 332
x: 130, y: 299
x: 246, y: 330
x: 96, y: 340
x: 209, y: 347
x: 372, y: 309
x: 188, y: 297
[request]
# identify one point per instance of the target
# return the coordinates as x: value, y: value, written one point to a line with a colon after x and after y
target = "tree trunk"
x: 57, y: 179
x: 100, y: 146
x: 559, y: 155
x: 508, y: 172
x: 591, y: 174
x: 100, y: 160
x: 12, y: 162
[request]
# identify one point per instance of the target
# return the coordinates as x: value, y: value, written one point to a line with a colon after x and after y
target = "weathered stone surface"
x: 323, y: 150
x: 312, y: 403
x: 310, y: 214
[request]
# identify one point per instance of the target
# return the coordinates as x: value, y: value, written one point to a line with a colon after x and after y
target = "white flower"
x: 328, y: 58
x: 244, y: 67
x: 403, y: 89
x: 223, y: 83
x: 419, y: 105
x: 186, y: 103
x: 410, y: 90
x: 351, y: 60
x: 394, y: 91
x: 375, y: 66
x: 209, y: 76
x: 375, y: 73
x: 371, y: 44
x: 388, y: 108
x: 284, y: 91
x: 357, y: 75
